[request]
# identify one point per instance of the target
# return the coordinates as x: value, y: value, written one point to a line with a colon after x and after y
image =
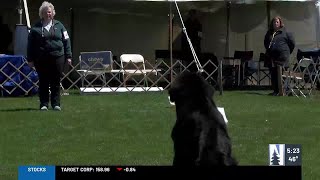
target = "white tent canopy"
x: 142, y: 27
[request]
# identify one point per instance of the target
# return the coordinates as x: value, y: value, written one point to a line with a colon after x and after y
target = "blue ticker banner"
x: 158, y: 172
x: 36, y: 173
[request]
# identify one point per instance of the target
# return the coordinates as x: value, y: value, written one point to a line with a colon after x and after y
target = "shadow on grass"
x: 258, y: 93
x: 19, y: 109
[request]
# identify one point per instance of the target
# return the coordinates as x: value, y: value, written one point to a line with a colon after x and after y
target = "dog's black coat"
x: 200, y: 134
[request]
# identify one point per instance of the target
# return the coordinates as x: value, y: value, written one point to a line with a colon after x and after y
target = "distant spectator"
x: 5, y: 37
x: 279, y: 45
x: 194, y: 31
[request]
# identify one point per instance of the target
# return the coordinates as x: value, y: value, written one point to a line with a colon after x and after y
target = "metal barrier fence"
x: 16, y: 78
x: 148, y: 77
x: 137, y: 77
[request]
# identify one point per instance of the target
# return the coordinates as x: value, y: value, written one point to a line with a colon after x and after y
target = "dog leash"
x: 195, y: 58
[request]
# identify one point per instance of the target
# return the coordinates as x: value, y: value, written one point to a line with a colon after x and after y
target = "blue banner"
x: 36, y: 173
x: 96, y: 60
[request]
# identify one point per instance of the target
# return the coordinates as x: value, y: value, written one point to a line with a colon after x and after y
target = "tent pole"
x: 268, y: 13
x: 227, y: 50
x: 170, y: 42
x: 20, y: 11
x: 71, y: 10
x: 318, y: 23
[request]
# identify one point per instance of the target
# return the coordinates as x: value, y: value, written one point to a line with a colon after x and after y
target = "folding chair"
x: 239, y: 59
x: 132, y: 65
x: 96, y: 64
x: 250, y: 68
x: 302, y: 78
x: 263, y: 71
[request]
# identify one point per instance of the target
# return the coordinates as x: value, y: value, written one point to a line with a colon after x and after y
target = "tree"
x: 275, y: 159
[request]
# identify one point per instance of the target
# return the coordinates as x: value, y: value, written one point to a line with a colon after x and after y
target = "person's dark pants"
x: 276, y: 79
x: 49, y: 70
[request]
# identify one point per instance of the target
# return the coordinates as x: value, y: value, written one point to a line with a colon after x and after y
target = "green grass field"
x: 134, y: 129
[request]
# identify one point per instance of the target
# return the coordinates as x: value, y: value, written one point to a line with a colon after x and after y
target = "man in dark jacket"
x: 279, y: 45
x: 194, y: 31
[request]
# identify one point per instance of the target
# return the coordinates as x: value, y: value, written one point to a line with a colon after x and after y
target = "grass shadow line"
x: 258, y: 93
x: 18, y: 109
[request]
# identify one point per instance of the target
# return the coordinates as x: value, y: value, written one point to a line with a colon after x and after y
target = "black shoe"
x: 273, y: 94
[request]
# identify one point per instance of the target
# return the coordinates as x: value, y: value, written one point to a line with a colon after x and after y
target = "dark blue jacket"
x: 281, y: 46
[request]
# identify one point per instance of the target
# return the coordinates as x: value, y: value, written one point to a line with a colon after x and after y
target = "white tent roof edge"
x: 243, y: 1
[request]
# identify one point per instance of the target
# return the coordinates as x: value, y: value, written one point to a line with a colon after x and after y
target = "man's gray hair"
x: 44, y: 6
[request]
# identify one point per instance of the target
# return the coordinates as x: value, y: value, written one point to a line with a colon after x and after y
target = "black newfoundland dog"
x: 200, y: 134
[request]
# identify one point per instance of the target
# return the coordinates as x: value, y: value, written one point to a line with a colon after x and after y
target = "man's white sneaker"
x: 57, y: 108
x: 44, y: 108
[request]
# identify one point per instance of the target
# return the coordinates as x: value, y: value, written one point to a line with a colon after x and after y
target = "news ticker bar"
x: 138, y: 172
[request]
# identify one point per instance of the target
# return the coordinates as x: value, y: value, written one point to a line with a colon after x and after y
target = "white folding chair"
x: 132, y: 65
x: 302, y: 78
